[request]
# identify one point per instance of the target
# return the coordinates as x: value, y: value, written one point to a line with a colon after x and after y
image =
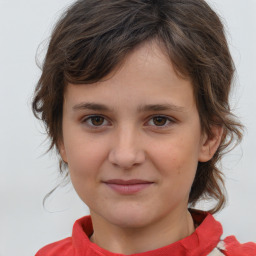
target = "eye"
x: 160, y: 121
x: 95, y: 121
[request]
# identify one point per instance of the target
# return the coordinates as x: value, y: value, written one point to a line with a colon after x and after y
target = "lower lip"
x: 128, y: 189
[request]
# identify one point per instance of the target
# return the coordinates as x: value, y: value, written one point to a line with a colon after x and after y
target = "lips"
x: 128, y: 186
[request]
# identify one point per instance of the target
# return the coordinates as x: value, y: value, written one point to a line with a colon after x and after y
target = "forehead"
x: 150, y: 56
x: 145, y: 77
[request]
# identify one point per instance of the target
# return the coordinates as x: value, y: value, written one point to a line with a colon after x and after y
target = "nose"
x: 127, y: 150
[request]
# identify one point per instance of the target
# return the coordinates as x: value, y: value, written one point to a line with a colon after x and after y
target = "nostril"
x: 126, y: 159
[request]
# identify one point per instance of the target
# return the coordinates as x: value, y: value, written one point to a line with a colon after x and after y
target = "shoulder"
x: 234, y: 248
x: 60, y: 248
x: 82, y: 230
x: 209, y: 233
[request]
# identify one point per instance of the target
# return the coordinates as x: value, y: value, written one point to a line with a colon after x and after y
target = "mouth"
x: 128, y: 187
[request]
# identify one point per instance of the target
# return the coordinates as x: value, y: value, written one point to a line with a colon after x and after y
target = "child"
x: 134, y: 95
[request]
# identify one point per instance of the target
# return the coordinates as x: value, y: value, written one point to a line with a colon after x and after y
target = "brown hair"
x: 94, y: 36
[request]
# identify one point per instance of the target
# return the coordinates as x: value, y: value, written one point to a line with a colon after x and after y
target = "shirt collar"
x: 203, y: 240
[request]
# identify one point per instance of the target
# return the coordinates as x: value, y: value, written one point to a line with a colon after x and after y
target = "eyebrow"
x: 91, y: 106
x: 142, y: 108
x: 160, y: 107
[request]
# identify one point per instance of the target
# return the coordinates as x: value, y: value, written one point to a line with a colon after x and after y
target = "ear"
x: 210, y: 144
x: 62, y: 152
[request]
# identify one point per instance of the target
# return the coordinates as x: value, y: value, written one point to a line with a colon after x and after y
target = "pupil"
x: 158, y: 121
x: 97, y: 120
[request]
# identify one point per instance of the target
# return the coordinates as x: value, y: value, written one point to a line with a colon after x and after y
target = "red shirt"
x: 204, y: 241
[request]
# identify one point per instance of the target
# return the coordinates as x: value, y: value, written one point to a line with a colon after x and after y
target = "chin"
x: 130, y: 222
x: 128, y: 218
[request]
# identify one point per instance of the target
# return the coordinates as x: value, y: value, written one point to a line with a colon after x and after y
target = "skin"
x: 140, y: 122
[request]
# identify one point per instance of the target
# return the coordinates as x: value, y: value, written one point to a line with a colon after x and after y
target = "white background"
x: 27, y: 174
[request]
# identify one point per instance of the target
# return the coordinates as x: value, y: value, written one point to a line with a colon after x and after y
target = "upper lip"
x: 127, y: 182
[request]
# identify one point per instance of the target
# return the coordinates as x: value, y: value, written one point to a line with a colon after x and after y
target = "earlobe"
x: 210, y: 144
x: 62, y: 152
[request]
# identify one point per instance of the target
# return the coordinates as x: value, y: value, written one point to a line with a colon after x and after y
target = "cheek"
x: 83, y: 152
x: 85, y: 158
x: 177, y: 159
x: 84, y: 165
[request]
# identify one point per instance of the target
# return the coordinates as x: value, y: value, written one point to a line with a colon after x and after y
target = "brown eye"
x: 159, y: 120
x: 97, y: 120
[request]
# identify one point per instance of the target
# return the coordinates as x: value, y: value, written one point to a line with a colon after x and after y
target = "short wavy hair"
x: 93, y: 37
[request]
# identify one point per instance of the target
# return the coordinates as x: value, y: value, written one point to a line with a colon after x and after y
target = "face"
x: 132, y: 141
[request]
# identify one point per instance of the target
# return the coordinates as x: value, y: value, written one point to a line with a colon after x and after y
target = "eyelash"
x: 88, y: 121
x: 168, y: 121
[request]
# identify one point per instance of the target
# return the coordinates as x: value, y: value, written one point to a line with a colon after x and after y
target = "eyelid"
x: 169, y: 119
x: 88, y: 117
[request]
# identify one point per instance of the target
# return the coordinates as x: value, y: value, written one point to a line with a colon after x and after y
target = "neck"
x: 137, y: 240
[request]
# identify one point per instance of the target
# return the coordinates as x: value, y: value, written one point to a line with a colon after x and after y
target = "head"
x: 94, y: 37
